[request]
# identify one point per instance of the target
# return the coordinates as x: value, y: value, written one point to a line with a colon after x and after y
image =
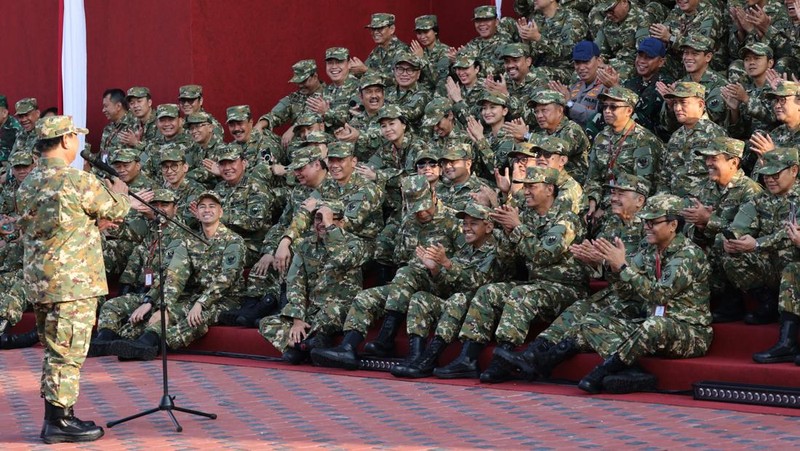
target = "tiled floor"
x: 272, y: 408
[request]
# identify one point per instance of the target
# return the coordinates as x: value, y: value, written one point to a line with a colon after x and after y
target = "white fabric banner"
x: 499, y: 5
x: 73, y: 66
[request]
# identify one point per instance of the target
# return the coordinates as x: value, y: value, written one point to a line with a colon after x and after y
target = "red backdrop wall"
x: 241, y: 52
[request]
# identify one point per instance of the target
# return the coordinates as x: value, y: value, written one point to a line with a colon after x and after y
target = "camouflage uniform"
x: 457, y: 195
x: 778, y: 36
x: 618, y: 42
x: 8, y: 191
x: 559, y: 33
x: 705, y: 22
x: 151, y: 153
x: 435, y: 63
x: 110, y: 138
x: 555, y: 278
x: 8, y: 133
x: 63, y: 269
x: 381, y: 59
x: 412, y: 100
x: 487, y: 51
x: 197, y: 153
x: 782, y: 135
x: 146, y: 130
x: 339, y: 97
x: 193, y: 92
x: 187, y: 191
x: 323, y: 278
x: 288, y: 108
x: 757, y: 113
x: 648, y: 109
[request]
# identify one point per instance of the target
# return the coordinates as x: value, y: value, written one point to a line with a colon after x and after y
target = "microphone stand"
x: 167, y: 403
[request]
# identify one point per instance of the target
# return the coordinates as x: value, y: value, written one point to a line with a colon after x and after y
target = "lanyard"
x: 616, y: 150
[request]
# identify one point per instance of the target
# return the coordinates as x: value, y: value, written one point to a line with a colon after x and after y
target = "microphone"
x: 86, y: 153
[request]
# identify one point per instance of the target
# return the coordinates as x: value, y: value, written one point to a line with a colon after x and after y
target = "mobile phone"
x: 729, y: 235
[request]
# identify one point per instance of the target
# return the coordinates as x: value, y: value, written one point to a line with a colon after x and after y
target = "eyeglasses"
x: 186, y: 100
x: 613, y: 106
x: 543, y: 154
x: 445, y: 163
x: 780, y: 100
x: 650, y: 223
x: 170, y: 167
x: 405, y: 69
x: 520, y: 160
x: 774, y: 176
x: 427, y: 164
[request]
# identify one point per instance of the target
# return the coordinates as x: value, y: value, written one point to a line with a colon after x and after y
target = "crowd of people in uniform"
x: 479, y: 188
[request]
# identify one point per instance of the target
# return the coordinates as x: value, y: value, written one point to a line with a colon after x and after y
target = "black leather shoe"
x: 62, y: 427
x: 342, y: 356
x: 465, y: 366
x: 767, y: 310
x: 634, y: 380
x: 424, y: 365
x: 144, y: 348
x: 383, y: 344
x: 18, y: 341
x: 294, y: 356
x: 786, y: 349
x: 101, y: 344
x: 498, y: 370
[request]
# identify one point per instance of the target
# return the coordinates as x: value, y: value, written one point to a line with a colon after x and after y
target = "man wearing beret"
x: 387, y: 47
x: 9, y: 129
x: 27, y: 113
x: 190, y: 100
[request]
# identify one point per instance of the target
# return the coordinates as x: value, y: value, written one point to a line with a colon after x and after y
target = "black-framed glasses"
x: 405, y: 69
x: 427, y: 164
x: 544, y: 154
x: 170, y: 167
x: 650, y: 223
x: 521, y: 160
x: 774, y: 176
x: 614, y: 106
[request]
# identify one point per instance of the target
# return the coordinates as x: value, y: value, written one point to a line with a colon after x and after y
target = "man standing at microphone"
x: 60, y: 207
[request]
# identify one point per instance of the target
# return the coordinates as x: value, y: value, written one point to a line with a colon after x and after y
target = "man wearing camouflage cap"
x: 466, y: 90
x: 127, y: 315
x: 363, y: 129
x: 323, y: 278
x: 63, y: 273
x: 334, y: 105
x: 552, y: 153
x: 750, y: 109
x: 540, y: 234
x: 407, y: 93
x: 622, y: 146
x: 618, y: 25
x: 9, y: 129
x: 204, y: 153
x: 459, y: 183
x: 441, y: 120
x: 485, y: 47
x: 521, y: 79
x: 173, y: 173
x: 710, y: 212
x: 27, y: 113
x: 772, y: 33
x: 170, y: 125
x: 21, y: 164
x: 683, y: 171
x: 754, y: 261
x: 689, y: 19
x: 190, y: 100
x: 201, y: 282
x: 257, y: 145
x: 427, y: 222
x: 387, y: 47
x: 786, y: 103
x: 432, y: 52
x: 442, y: 306
x: 143, y: 129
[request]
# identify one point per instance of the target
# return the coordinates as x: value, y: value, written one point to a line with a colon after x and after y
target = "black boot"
x: 294, y: 356
x: 343, y: 356
x: 631, y: 380
x: 101, y: 344
x: 528, y: 362
x: 424, y: 365
x: 767, y: 310
x: 17, y: 341
x: 251, y: 312
x: 143, y: 348
x: 786, y: 349
x: 465, y: 365
x: 318, y: 340
x: 383, y: 346
x: 498, y: 370
x: 729, y: 306
x: 61, y: 426
x: 416, y: 345
x: 593, y: 382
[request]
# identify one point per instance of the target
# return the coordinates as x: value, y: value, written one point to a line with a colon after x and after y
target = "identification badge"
x: 660, y: 310
x: 148, y: 277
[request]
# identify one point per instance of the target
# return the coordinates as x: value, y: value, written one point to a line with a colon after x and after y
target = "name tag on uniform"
x: 148, y: 277
x: 660, y: 310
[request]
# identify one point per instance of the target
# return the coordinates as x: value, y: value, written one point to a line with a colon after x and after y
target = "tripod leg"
x: 213, y: 416
x: 175, y: 421
x: 111, y: 424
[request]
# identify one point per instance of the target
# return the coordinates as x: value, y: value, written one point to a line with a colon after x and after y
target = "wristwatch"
x: 527, y: 136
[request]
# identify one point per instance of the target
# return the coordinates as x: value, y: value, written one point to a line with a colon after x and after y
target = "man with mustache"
x: 27, y: 113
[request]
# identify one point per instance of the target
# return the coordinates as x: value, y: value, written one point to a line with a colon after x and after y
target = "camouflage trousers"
x: 259, y: 286
x: 753, y: 269
x: 372, y: 303
x: 114, y: 315
x: 603, y: 303
x: 179, y: 333
x: 326, y: 319
x: 513, y: 307
x: 789, y: 293
x: 116, y: 254
x: 13, y: 298
x: 65, y: 329
x: 426, y: 310
x: 638, y: 337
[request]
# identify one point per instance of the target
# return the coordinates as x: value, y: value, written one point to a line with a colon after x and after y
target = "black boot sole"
x: 778, y: 359
x: 323, y: 359
x: 619, y: 384
x: 472, y: 374
x: 70, y: 438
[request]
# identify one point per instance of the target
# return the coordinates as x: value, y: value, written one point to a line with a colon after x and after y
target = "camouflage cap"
x: 201, y: 117
x: 337, y: 207
x: 55, y: 126
x: 20, y: 158
x: 304, y: 156
x: 621, y: 94
x: 173, y: 152
x: 722, y: 144
x: 629, y: 182
x: 515, y: 50
x: 698, y: 42
x: 539, y: 174
x: 476, y: 211
x: 302, y: 70
x: 380, y: 20
x: 307, y: 118
x: 26, y: 105
x: 190, y: 92
x: 756, y: 48
x: 317, y: 137
x: 371, y: 79
x: 210, y: 194
x: 426, y: 22
x: 457, y: 151
x: 549, y: 144
x: 484, y: 12
x: 685, y: 89
x: 495, y: 98
x: 337, y: 53
x: 408, y: 57
x: 427, y: 153
x: 390, y: 112
x: 436, y: 110
x: 341, y: 149
x: 662, y: 205
x: 164, y: 195
x: 3, y: 101
x: 523, y: 148
x: 463, y: 62
x: 167, y: 110
x: 229, y: 152
x: 777, y: 160
x: 605, y: 6
x: 238, y: 113
x: 138, y: 92
x: 547, y: 96
x: 417, y: 194
x: 784, y: 89
x: 123, y: 155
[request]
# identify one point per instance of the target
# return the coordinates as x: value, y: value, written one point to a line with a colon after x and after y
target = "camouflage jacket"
x: 399, y: 248
x: 282, y: 228
x: 725, y: 201
x: 413, y: 102
x: 195, y: 156
x: 381, y: 60
x: 151, y: 153
x: 486, y: 51
x: 470, y: 103
x: 559, y: 33
x: 684, y: 171
x: 435, y: 65
x: 572, y: 133
x: 473, y: 268
x: 8, y: 135
x: 8, y: 197
x: 25, y: 142
x: 764, y: 218
x: 755, y: 114
x: 370, y: 138
x: 619, y: 40
x: 648, y: 109
x: 288, y: 108
x: 185, y: 194
x: 457, y: 196
x: 391, y: 164
x: 779, y: 32
x: 59, y: 206
x: 145, y: 255
x: 147, y: 131
x: 340, y: 98
x: 716, y: 108
x: 263, y: 145
x: 247, y: 210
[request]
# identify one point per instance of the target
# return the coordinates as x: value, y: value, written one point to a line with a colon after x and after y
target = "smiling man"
x: 190, y: 100
x: 387, y: 47
x: 27, y: 113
